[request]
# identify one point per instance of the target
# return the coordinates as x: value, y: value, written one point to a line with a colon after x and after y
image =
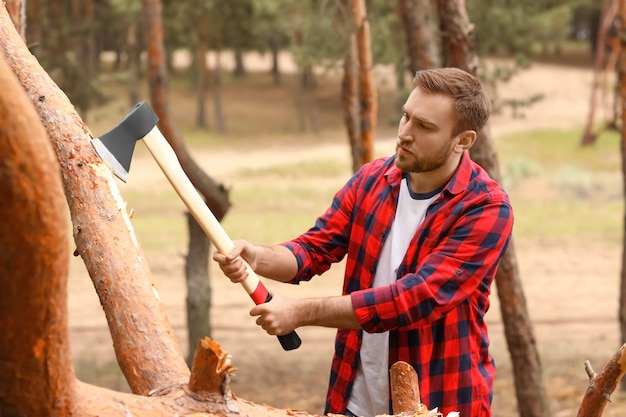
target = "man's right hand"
x: 232, y: 264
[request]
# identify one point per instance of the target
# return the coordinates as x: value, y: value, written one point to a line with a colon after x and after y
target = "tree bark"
x: 17, y: 11
x: 460, y: 51
x: 201, y: 83
x: 34, y: 352
x: 133, y: 53
x: 216, y: 84
x: 33, y: 28
x: 102, y: 231
x: 198, y: 286
x: 608, y: 16
x: 620, y: 26
x: 350, y: 101
x: 367, y: 88
x: 602, y: 385
x: 417, y: 21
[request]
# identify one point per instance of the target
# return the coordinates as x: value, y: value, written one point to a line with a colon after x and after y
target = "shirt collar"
x: 459, y: 181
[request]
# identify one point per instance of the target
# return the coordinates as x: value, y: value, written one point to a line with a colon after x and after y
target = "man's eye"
x: 404, y: 115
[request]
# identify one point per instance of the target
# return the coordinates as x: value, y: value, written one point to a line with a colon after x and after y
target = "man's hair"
x: 472, y: 105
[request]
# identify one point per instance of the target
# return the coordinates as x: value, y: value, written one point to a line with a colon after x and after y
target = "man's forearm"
x: 276, y: 262
x: 335, y: 312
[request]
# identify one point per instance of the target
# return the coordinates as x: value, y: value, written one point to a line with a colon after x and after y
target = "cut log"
x: 405, y: 391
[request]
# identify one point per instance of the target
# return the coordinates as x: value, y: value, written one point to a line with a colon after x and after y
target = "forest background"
x: 283, y: 157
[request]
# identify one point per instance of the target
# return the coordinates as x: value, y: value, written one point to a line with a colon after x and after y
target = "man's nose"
x: 404, y: 132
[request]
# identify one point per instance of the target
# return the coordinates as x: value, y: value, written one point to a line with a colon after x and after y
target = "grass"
x: 560, y: 189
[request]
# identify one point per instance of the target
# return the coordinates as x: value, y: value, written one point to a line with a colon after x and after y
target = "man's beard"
x: 427, y: 163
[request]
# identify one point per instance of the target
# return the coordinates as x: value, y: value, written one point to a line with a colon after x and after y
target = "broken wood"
x: 601, y: 385
x: 211, y: 370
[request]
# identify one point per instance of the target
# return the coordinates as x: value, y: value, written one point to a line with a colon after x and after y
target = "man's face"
x: 425, y: 140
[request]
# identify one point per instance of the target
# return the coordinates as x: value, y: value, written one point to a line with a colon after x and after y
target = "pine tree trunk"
x: 17, y: 11
x: 417, y: 20
x: 620, y: 26
x: 35, y: 361
x: 198, y: 285
x: 367, y: 88
x: 350, y: 100
x: 201, y: 84
x: 220, y: 117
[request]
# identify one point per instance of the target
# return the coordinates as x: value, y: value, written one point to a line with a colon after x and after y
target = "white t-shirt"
x: 370, y: 392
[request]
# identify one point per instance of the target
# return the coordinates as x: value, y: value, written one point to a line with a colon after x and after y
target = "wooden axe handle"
x: 166, y: 158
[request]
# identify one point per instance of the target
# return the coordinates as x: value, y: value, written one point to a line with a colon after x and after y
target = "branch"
x: 602, y: 385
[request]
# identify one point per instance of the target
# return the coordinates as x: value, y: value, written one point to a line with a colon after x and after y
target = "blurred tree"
x: 17, y: 11
x: 368, y: 97
x: 420, y: 37
x: 70, y: 47
x: 272, y: 30
x: 620, y: 35
x: 605, y: 36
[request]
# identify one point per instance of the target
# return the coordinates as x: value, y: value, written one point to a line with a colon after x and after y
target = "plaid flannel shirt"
x: 435, y: 310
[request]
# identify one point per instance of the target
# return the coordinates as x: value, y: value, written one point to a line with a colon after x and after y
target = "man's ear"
x: 465, y: 140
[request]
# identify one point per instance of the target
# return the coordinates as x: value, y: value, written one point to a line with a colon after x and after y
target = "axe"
x: 116, y: 149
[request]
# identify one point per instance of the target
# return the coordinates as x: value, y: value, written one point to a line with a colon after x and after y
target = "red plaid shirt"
x: 435, y: 310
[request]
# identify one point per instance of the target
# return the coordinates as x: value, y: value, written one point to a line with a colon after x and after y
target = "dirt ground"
x: 571, y: 287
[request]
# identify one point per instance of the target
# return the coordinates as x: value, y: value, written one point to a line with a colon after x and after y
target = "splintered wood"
x: 211, y: 369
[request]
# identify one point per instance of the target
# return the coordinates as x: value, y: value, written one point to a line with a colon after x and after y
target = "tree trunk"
x: 200, y: 60
x: 34, y: 354
x: 216, y: 83
x: 17, y: 11
x: 350, y: 100
x: 417, y: 21
x: 198, y: 285
x: 240, y: 69
x: 102, y: 231
x: 134, y: 62
x: 459, y: 51
x: 620, y: 26
x: 275, y: 48
x: 608, y: 16
x: 33, y: 27
x: 367, y: 88
x: 308, y: 96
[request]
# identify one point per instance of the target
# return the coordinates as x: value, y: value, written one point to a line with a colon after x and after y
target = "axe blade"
x: 116, y: 147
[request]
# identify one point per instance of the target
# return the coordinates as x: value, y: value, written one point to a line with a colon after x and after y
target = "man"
x: 423, y: 232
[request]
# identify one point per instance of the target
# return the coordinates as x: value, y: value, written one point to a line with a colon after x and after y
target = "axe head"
x: 117, y: 145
